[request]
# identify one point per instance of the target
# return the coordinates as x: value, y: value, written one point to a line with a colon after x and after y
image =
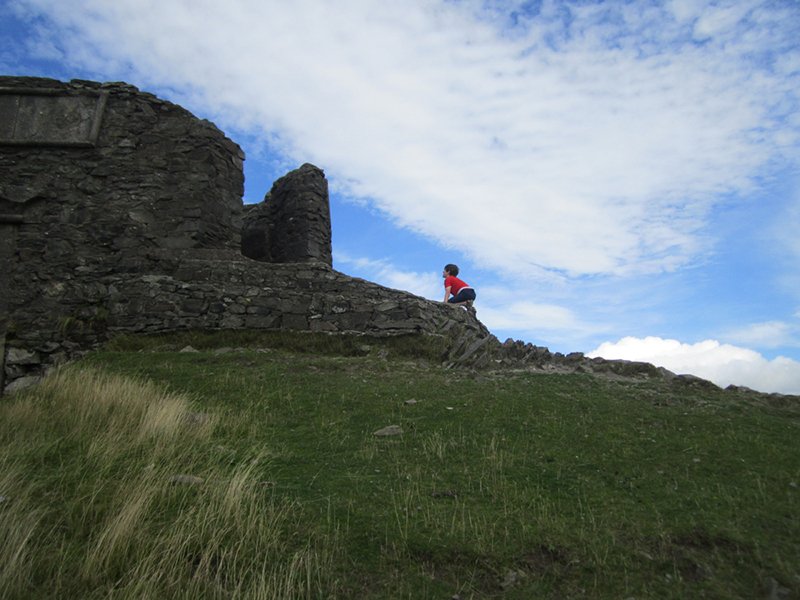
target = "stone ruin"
x: 121, y: 213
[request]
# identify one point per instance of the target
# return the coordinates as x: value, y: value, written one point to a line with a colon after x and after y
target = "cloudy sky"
x: 618, y: 178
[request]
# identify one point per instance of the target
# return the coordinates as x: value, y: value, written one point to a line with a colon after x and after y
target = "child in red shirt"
x: 463, y: 295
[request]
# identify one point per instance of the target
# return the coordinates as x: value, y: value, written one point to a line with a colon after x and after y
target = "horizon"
x: 617, y: 179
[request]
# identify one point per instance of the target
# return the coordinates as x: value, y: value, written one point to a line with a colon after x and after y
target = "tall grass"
x: 87, y: 469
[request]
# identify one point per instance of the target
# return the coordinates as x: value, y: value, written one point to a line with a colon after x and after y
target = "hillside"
x: 217, y: 466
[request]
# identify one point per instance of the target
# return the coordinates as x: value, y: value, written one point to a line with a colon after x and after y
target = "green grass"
x: 504, y: 485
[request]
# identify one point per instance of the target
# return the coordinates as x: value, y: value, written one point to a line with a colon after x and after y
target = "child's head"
x: 452, y: 269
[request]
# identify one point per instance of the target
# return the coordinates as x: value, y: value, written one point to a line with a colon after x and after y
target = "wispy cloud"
x: 723, y: 364
x: 529, y: 316
x: 387, y: 274
x: 579, y: 140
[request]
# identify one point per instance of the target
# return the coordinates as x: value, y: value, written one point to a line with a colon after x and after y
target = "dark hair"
x: 452, y: 269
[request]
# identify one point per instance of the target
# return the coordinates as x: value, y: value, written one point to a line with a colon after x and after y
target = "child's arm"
x: 446, y: 294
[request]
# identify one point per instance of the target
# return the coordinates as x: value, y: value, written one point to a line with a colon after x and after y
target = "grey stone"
x: 22, y: 383
x: 20, y: 356
x: 511, y: 578
x: 390, y: 430
x: 774, y: 590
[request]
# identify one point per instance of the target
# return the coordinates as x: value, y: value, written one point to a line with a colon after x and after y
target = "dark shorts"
x: 462, y: 296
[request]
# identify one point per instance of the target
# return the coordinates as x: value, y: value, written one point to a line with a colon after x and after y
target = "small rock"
x: 190, y: 349
x: 165, y: 348
x: 185, y: 479
x: 22, y: 383
x: 793, y: 484
x: 774, y: 590
x: 424, y: 363
x: 704, y: 572
x: 219, y: 351
x: 390, y: 430
x: 511, y: 578
x: 412, y: 401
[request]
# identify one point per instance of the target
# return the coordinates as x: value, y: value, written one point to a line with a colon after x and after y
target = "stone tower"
x: 293, y: 223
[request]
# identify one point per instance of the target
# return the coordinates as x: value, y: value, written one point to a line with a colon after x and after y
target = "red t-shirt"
x: 455, y: 285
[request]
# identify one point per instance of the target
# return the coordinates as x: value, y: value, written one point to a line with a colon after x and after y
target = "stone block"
x: 296, y: 322
x: 194, y: 306
x: 231, y: 322
x: 262, y: 321
x: 322, y: 325
x: 20, y: 356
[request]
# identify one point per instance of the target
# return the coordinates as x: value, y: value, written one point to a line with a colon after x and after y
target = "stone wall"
x: 122, y: 213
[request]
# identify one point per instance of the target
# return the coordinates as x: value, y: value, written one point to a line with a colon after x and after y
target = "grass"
x: 503, y: 485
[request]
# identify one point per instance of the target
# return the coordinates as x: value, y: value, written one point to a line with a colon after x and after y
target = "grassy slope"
x: 513, y: 485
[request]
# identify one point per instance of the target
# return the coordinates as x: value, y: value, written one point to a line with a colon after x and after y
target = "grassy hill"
x: 253, y: 471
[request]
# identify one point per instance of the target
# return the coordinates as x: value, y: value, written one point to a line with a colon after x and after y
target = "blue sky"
x: 615, y: 178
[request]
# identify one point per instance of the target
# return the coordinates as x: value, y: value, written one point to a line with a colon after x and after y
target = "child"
x: 463, y: 295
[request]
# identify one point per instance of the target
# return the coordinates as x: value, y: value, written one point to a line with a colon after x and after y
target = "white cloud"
x: 721, y: 363
x: 764, y: 335
x: 592, y: 147
x: 385, y: 273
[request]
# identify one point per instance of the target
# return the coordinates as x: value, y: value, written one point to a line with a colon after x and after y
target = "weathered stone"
x: 511, y: 578
x: 390, y: 430
x: 21, y: 384
x: 20, y: 356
